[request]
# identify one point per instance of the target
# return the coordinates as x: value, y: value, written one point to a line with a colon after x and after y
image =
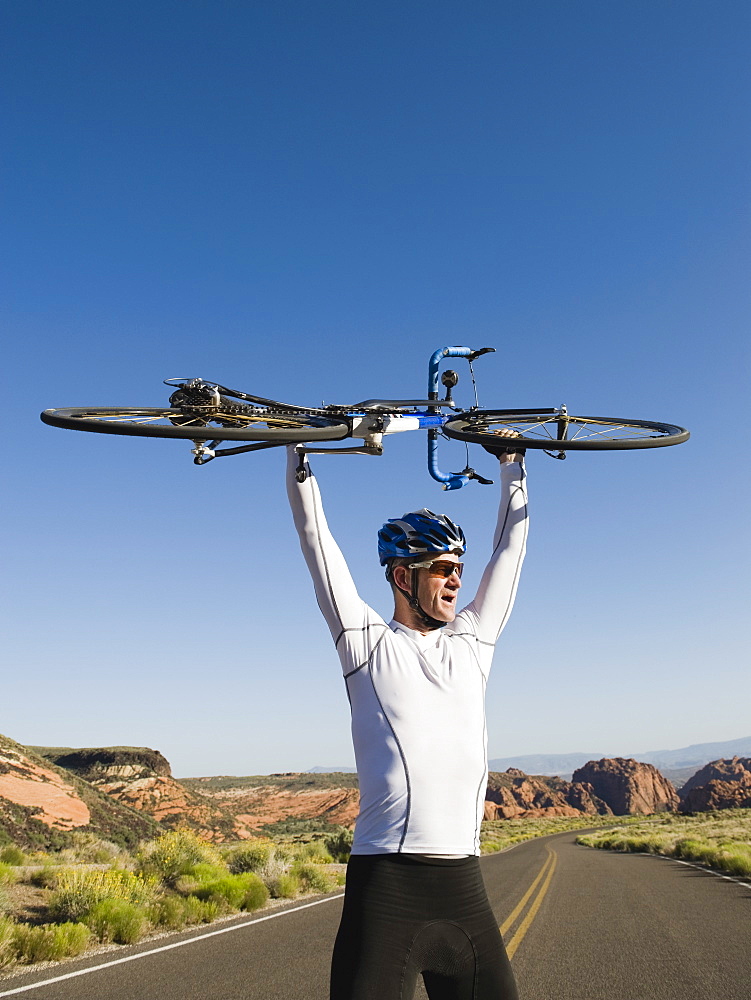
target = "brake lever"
x: 471, y: 474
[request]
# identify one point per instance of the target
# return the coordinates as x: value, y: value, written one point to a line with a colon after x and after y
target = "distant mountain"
x: 563, y: 765
x: 698, y: 754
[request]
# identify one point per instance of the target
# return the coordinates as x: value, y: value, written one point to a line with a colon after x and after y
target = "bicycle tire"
x: 163, y: 422
x: 553, y: 430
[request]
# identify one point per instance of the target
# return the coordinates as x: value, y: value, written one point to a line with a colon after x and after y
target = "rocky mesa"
x: 513, y: 794
x: 141, y: 778
x: 40, y: 803
x: 628, y: 786
x: 723, y: 784
x: 260, y: 800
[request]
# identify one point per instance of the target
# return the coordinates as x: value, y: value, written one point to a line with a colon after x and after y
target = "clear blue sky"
x: 304, y: 201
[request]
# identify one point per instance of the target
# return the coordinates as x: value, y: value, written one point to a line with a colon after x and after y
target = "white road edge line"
x: 690, y: 864
x: 167, y: 947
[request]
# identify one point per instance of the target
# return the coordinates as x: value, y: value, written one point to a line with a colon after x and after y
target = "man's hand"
x: 503, y: 452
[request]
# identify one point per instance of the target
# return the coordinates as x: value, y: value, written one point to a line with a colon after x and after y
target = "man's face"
x: 438, y: 594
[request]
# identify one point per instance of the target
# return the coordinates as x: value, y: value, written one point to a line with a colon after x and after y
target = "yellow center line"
x: 524, y: 926
x: 510, y: 920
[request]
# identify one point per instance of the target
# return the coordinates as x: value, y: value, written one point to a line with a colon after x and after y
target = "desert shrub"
x: 174, y: 912
x: 245, y: 891
x: 49, y: 942
x: 256, y: 892
x: 284, y: 886
x: 198, y: 911
x: 12, y: 855
x: 45, y: 877
x: 77, y: 892
x: 276, y: 865
x: 87, y: 847
x: 7, y: 949
x: 198, y: 875
x: 169, y: 912
x: 210, y: 910
x: 7, y: 875
x: 174, y: 854
x: 734, y: 860
x: 315, y: 852
x: 311, y: 877
x: 339, y: 845
x: 118, y: 921
x: 251, y: 856
x: 692, y: 849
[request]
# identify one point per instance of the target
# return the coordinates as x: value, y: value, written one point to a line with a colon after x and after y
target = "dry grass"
x: 720, y: 840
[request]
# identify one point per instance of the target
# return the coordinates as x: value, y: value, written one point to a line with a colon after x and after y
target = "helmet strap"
x: 414, y: 603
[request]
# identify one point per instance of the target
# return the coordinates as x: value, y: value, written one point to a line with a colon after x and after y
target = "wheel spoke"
x: 546, y: 428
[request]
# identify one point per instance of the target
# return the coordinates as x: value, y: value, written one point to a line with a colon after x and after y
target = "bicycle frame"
x: 372, y: 426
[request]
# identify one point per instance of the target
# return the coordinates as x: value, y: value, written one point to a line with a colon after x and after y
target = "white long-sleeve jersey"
x: 418, y: 701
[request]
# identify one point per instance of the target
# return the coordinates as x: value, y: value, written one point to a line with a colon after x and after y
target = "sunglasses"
x: 439, y: 567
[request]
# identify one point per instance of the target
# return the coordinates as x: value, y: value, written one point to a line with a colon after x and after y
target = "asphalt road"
x: 578, y: 924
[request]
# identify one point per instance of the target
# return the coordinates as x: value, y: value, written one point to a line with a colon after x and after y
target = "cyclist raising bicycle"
x: 415, y: 900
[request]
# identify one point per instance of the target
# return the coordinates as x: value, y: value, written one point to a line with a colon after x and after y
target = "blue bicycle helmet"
x: 419, y: 532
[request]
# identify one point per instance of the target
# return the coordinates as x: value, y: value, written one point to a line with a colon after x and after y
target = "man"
x: 415, y: 901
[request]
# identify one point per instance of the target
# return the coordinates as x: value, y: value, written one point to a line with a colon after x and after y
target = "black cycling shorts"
x: 407, y: 914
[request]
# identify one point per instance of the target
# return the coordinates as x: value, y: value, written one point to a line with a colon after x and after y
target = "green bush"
x: 174, y: 854
x: 49, y: 942
x: 199, y: 875
x: 77, y: 892
x: 311, y: 877
x: 736, y: 861
x: 44, y: 877
x: 87, y: 847
x: 12, y: 855
x: 693, y: 850
x: 245, y: 891
x: 315, y: 852
x: 339, y: 845
x: 118, y: 921
x: 169, y: 912
x: 198, y: 911
x: 284, y: 886
x: 7, y: 875
x: 256, y: 892
x: 7, y: 949
x: 252, y: 856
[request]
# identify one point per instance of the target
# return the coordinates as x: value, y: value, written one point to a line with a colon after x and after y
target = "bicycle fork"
x: 449, y: 480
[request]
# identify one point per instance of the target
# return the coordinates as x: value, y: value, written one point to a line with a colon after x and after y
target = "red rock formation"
x: 723, y: 784
x: 41, y: 803
x: 24, y: 781
x: 270, y: 804
x: 628, y: 786
x: 142, y: 779
x: 515, y: 794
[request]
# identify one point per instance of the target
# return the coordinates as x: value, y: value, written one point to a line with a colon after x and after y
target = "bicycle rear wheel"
x: 557, y: 430
x: 207, y: 424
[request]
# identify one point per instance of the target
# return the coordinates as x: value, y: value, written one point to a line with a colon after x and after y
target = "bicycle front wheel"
x: 557, y: 430
x: 209, y: 424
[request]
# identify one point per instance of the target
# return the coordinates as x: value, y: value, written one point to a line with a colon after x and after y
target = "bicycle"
x: 208, y: 414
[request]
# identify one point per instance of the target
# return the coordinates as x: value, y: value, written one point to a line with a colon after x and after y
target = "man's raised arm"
x: 489, y: 611
x: 336, y: 593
